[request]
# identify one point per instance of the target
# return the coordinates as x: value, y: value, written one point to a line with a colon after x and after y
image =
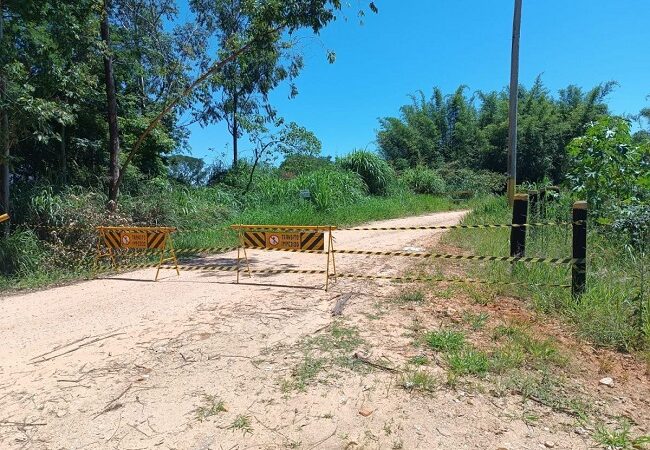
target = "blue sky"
x: 417, y: 44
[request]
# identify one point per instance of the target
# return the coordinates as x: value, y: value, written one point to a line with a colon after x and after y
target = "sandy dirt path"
x: 198, y: 362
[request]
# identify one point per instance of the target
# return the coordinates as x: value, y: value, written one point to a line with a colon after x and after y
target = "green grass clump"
x: 476, y: 321
x: 333, y: 348
x: 212, y: 407
x: 467, y: 361
x: 307, y: 372
x: 242, y: 423
x: 620, y: 437
x: 375, y: 171
x: 445, y: 340
x: 419, y: 360
x: 410, y: 297
x: 536, y: 352
x: 423, y: 180
x: 419, y: 380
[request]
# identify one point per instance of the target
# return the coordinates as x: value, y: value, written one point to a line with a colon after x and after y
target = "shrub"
x: 20, y: 254
x: 329, y: 188
x: 373, y: 170
x: 475, y: 181
x: 422, y: 180
x: 301, y: 164
x: 608, y: 168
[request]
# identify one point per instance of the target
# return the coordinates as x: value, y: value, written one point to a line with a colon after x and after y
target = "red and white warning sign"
x: 133, y: 239
x: 283, y: 240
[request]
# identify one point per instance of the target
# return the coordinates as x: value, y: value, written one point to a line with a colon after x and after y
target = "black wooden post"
x: 519, y: 220
x: 579, y: 269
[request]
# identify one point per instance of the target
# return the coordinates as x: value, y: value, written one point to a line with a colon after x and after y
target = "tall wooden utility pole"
x: 512, y: 109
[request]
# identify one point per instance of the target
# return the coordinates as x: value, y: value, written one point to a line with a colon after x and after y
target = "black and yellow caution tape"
x: 215, y: 267
x: 464, y: 257
x: 184, y: 251
x: 446, y: 280
x: 192, y: 251
x: 455, y: 227
x: 218, y: 268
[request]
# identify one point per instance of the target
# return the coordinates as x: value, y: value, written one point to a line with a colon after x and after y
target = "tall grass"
x: 610, y: 313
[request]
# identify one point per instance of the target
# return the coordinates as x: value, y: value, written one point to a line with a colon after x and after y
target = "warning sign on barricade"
x: 308, y: 239
x: 287, y: 240
x: 114, y: 239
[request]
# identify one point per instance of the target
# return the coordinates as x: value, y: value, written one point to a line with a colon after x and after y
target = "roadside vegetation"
x: 54, y: 240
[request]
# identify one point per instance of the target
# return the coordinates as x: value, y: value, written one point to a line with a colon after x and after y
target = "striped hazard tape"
x: 214, y: 267
x: 466, y: 257
x: 447, y: 280
x: 210, y: 268
x: 453, y: 227
x: 192, y: 251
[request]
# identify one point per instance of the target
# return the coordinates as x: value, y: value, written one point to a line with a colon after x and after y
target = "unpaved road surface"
x: 199, y: 362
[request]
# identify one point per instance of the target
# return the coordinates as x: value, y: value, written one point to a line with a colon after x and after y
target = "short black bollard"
x: 579, y: 269
x: 519, y: 220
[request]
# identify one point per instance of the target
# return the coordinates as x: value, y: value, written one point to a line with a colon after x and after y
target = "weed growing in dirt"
x: 476, y: 320
x: 467, y: 361
x: 445, y: 340
x: 212, y: 407
x: 406, y: 297
x: 619, y: 438
x: 419, y: 360
x: 506, y: 358
x: 306, y: 372
x: 333, y: 348
x: 418, y: 380
x: 539, y: 353
x: 339, y: 338
x: 242, y: 423
x: 550, y: 391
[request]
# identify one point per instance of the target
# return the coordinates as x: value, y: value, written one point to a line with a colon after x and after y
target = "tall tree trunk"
x: 111, y: 98
x: 4, y: 136
x: 235, y: 130
x: 64, y: 158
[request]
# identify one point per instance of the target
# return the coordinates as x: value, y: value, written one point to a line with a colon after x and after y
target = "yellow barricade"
x: 4, y: 217
x: 295, y: 238
x: 141, y: 238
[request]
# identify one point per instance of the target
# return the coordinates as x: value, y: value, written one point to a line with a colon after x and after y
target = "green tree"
x: 608, y: 168
x: 239, y: 94
x: 269, y: 22
x: 187, y: 170
x: 287, y: 140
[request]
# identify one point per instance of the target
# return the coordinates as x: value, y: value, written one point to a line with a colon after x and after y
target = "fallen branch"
x: 8, y: 423
x: 323, y: 440
x: 113, y: 403
x: 75, y: 349
x: 59, y: 347
x: 365, y: 360
x: 217, y: 355
x: 340, y: 304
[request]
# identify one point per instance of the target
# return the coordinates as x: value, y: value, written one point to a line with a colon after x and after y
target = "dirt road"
x: 198, y: 362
